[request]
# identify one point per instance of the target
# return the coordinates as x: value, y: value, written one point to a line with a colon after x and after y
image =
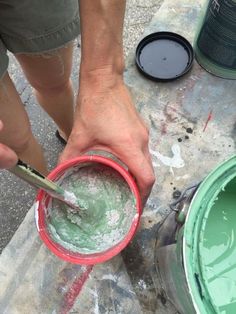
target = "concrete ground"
x: 16, y: 197
x: 185, y: 146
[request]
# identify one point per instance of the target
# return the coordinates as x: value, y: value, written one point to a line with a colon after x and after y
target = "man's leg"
x: 49, y: 75
x: 17, y: 132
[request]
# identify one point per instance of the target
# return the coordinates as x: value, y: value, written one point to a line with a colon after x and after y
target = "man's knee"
x: 52, y: 88
x: 48, y: 72
x: 22, y: 142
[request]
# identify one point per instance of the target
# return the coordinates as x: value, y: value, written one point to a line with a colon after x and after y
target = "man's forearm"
x: 102, y: 32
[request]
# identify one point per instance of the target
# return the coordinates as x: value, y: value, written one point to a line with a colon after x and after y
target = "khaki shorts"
x: 35, y: 26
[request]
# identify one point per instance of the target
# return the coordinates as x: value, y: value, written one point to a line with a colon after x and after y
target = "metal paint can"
x: 43, y: 214
x: 215, y: 42
x: 196, y: 246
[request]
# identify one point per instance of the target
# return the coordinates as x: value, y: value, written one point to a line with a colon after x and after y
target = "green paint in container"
x: 200, y: 261
x: 107, y: 212
x: 215, y: 43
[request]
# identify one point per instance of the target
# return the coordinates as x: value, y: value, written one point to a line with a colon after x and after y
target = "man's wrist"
x: 106, y: 75
x: 111, y: 65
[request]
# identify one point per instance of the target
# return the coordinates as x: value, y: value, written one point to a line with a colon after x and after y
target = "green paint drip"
x: 218, y: 251
x: 107, y: 215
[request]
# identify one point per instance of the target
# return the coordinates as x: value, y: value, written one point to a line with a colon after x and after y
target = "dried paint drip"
x: 108, y: 211
x: 176, y: 161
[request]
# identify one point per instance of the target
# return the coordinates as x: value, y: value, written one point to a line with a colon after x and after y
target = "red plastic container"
x: 41, y: 213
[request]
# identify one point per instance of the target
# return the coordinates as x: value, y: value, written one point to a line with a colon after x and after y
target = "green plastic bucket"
x: 215, y: 42
x: 197, y: 266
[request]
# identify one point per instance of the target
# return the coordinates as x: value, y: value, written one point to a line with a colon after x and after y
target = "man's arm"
x: 101, y: 31
x: 105, y: 116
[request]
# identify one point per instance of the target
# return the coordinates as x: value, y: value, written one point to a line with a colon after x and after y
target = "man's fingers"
x: 68, y: 153
x: 142, y: 170
x: 8, y: 157
x: 139, y: 163
x: 74, y: 148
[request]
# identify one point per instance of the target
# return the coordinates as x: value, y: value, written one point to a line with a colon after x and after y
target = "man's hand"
x: 107, y: 119
x: 8, y: 158
x: 105, y: 116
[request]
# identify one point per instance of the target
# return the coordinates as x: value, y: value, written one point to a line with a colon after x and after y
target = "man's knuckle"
x: 145, y: 135
x: 150, y: 180
x: 147, y: 129
x: 128, y: 139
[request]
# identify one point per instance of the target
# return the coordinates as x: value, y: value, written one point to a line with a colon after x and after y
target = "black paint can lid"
x: 164, y: 56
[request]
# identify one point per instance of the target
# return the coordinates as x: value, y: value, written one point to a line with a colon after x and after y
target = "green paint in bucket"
x: 215, y: 43
x: 198, y: 269
x: 107, y: 214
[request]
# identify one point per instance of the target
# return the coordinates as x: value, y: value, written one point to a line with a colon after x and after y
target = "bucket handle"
x: 180, y: 206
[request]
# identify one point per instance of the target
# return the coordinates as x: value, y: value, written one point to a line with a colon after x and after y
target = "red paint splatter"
x: 74, y: 291
x: 170, y: 112
x: 163, y: 128
x: 209, y: 118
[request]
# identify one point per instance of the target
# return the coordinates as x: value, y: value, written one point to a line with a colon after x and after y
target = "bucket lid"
x: 164, y: 56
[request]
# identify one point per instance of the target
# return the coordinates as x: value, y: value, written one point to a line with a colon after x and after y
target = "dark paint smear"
x: 176, y: 194
x: 189, y: 130
x: 164, y: 58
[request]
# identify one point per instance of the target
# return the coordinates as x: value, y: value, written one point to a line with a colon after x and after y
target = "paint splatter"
x: 175, y: 161
x: 75, y: 289
x: 189, y: 130
x: 96, y: 300
x: 209, y: 118
x: 155, y: 164
x: 176, y: 194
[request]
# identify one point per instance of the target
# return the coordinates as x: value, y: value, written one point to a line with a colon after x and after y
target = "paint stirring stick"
x: 36, y: 179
